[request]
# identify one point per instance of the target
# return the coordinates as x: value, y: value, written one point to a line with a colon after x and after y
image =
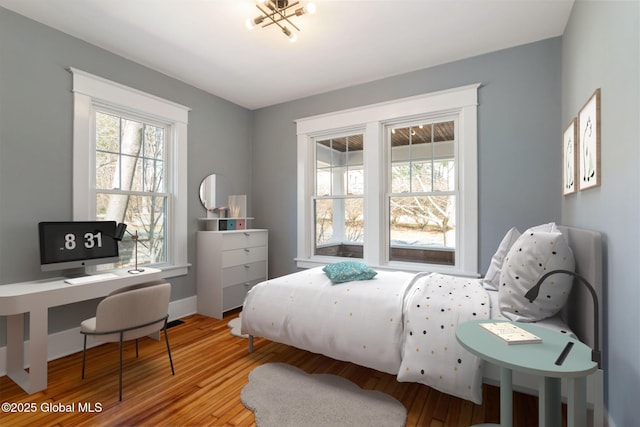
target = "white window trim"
x: 88, y: 90
x: 462, y: 101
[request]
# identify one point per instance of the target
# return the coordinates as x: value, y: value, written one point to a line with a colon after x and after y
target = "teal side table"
x: 537, y: 359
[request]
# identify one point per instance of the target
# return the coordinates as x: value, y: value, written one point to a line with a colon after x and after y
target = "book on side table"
x: 511, y: 333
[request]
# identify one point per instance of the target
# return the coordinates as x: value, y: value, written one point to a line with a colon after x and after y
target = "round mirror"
x: 213, y: 192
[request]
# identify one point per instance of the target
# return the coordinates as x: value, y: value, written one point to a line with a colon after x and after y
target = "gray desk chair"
x: 130, y: 313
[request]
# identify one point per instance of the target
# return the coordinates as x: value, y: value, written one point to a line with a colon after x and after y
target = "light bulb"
x: 251, y: 23
x: 292, y: 36
x: 310, y: 8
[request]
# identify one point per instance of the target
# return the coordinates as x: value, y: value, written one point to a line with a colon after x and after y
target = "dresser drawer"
x: 244, y: 256
x: 244, y: 239
x: 243, y: 273
x: 234, y: 295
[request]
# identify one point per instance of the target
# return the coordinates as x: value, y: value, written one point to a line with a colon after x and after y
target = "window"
x: 128, y: 149
x: 338, y: 200
x: 130, y: 183
x: 423, y: 193
x: 394, y: 184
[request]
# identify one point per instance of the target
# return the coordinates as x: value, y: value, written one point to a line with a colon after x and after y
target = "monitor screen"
x: 74, y: 244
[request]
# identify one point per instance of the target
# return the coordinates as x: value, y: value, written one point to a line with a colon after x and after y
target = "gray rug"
x: 282, y: 395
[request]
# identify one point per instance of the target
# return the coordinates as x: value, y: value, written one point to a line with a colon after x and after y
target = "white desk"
x: 35, y: 299
x: 537, y: 359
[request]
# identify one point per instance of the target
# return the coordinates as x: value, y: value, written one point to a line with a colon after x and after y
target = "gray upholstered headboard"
x: 587, y: 250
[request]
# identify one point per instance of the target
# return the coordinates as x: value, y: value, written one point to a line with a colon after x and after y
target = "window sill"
x: 167, y: 270
x: 174, y: 270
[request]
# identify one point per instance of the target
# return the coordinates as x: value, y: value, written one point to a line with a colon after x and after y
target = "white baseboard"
x: 70, y: 341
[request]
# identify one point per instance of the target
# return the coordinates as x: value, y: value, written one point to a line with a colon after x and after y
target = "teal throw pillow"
x: 349, y: 270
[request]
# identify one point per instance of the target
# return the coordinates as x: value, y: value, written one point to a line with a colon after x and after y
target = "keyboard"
x: 92, y: 278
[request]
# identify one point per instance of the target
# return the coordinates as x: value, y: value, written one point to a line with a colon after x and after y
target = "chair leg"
x: 120, y: 370
x: 166, y: 338
x: 84, y: 354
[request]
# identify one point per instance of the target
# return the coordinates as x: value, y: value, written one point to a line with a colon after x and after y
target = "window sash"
x: 341, y: 232
x: 422, y: 212
x: 338, y: 213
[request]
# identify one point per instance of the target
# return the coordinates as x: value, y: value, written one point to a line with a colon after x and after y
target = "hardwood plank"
x: 442, y: 407
x: 414, y: 409
x: 211, y: 368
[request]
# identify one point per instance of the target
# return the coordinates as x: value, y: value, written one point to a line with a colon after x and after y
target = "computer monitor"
x: 74, y: 244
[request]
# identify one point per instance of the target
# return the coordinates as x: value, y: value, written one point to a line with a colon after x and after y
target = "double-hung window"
x: 339, y: 196
x: 393, y: 184
x: 130, y: 182
x: 423, y: 191
x: 129, y: 162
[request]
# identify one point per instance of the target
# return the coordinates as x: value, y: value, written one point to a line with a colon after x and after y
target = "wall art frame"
x: 589, y: 143
x: 569, y: 158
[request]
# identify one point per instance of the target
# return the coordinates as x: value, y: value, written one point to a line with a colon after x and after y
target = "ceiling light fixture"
x: 278, y: 12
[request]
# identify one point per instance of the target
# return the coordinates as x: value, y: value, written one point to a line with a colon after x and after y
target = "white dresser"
x: 229, y: 263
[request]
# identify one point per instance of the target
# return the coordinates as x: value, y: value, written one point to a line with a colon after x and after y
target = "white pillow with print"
x: 491, y: 280
x: 536, y: 252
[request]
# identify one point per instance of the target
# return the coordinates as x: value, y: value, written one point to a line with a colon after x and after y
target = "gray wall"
x: 600, y: 49
x: 36, y: 144
x: 519, y: 128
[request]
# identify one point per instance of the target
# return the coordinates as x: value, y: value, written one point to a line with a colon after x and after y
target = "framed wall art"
x: 569, y: 155
x: 589, y: 143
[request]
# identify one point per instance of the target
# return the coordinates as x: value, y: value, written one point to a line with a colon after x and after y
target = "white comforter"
x: 359, y: 322
x: 376, y: 323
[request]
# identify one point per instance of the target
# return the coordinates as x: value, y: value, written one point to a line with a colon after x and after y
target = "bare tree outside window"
x: 422, y: 203
x: 130, y: 183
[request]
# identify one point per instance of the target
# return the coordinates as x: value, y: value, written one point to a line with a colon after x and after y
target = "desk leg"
x: 506, y: 397
x: 576, y: 402
x: 36, y: 379
x: 550, y: 403
x: 15, y: 344
x: 38, y: 344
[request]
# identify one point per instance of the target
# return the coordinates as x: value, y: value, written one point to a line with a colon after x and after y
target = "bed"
x: 403, y: 323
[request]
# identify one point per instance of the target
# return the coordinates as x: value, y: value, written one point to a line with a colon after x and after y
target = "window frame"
x: 371, y: 120
x: 90, y: 91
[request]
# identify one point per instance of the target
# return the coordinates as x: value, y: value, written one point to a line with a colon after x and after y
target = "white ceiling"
x: 205, y: 42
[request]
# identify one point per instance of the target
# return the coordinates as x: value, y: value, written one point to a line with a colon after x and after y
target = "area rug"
x: 282, y: 395
x: 235, y: 324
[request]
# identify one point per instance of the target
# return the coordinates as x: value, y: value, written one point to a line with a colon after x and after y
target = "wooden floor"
x: 211, y: 368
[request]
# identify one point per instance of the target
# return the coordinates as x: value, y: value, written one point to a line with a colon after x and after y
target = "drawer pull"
x: 247, y: 285
x: 247, y: 250
x: 247, y: 266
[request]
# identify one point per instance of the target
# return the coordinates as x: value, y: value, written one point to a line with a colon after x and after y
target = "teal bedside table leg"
x: 576, y: 402
x: 506, y: 397
x: 550, y: 403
